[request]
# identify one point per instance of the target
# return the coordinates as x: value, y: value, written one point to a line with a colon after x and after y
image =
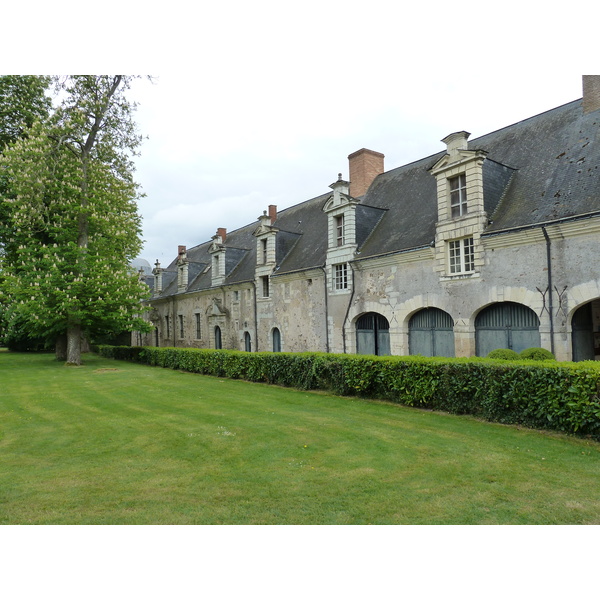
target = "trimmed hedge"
x: 543, y: 395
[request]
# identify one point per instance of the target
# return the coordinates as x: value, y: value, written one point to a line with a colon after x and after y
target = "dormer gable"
x: 182, y: 269
x: 459, y: 176
x: 266, y: 238
x: 158, y: 278
x: 461, y: 210
x: 217, y: 250
x: 340, y: 208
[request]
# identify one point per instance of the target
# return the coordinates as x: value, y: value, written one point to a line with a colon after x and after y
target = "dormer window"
x: 263, y: 250
x: 339, y: 230
x: 458, y: 195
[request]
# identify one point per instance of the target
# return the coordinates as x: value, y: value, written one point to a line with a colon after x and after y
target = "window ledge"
x: 460, y: 276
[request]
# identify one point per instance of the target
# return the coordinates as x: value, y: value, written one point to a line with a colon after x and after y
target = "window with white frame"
x: 339, y: 230
x: 458, y: 195
x: 341, y: 276
x: 461, y: 256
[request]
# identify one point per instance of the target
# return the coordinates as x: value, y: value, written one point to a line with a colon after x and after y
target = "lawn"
x: 117, y: 443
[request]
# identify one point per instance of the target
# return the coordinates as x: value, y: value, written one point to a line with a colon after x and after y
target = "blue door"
x: 506, y: 325
x: 373, y: 335
x: 431, y: 333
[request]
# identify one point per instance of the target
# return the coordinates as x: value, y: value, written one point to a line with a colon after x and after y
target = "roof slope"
x: 541, y: 169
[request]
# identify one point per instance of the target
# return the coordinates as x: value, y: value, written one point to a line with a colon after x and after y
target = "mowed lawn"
x: 117, y: 443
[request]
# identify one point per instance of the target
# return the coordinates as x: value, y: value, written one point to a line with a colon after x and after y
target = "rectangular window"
x: 458, y: 195
x: 263, y: 250
x: 461, y: 256
x: 198, y: 328
x: 167, y: 328
x: 341, y: 276
x: 339, y: 230
x: 180, y: 319
x: 265, y: 286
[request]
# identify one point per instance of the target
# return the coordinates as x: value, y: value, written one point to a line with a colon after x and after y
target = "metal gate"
x: 431, y: 333
x: 373, y: 335
x: 582, y: 335
x: 506, y: 325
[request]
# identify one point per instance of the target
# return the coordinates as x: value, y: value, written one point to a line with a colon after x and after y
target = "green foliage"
x: 536, y: 354
x: 503, y: 354
x: 23, y: 100
x: 559, y: 396
x: 72, y: 225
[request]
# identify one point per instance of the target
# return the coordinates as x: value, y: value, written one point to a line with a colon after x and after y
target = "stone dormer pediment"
x: 215, y: 247
x: 340, y: 197
x: 264, y: 230
x: 458, y: 158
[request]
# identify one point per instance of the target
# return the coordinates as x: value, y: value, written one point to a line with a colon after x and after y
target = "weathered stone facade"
x: 490, y: 243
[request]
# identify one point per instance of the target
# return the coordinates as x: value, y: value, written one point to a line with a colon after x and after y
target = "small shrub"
x: 537, y: 354
x: 504, y: 354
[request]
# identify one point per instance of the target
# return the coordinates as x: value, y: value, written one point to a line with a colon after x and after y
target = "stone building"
x: 491, y: 243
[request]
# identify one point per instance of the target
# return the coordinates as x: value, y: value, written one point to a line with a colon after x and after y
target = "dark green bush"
x: 536, y: 354
x: 560, y: 396
x: 503, y: 354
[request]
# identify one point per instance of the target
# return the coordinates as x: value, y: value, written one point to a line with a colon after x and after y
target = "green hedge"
x: 545, y: 394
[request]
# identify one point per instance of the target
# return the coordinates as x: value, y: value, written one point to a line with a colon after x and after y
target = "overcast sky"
x: 258, y: 103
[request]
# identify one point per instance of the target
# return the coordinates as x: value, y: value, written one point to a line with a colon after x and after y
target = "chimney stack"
x: 222, y: 233
x: 365, y: 165
x: 181, y: 250
x: 591, y: 93
x: 272, y: 213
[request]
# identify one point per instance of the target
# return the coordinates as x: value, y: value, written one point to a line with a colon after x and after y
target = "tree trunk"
x: 61, y: 347
x: 74, y: 345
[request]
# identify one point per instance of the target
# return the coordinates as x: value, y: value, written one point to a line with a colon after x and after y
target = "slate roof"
x: 540, y: 169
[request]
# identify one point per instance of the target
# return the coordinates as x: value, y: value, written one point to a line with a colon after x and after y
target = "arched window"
x: 506, y: 325
x: 373, y: 335
x: 247, y: 342
x: 431, y: 333
x: 276, y: 340
x: 218, y: 338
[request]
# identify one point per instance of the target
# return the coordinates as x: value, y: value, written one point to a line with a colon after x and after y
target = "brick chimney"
x: 365, y: 165
x: 181, y: 250
x: 591, y: 93
x: 222, y: 233
x: 272, y: 213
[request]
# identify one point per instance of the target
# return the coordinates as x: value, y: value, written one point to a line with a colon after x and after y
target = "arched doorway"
x: 373, y: 335
x: 506, y: 325
x: 431, y: 333
x: 586, y: 342
x: 218, y: 338
x: 276, y: 340
x: 247, y: 342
